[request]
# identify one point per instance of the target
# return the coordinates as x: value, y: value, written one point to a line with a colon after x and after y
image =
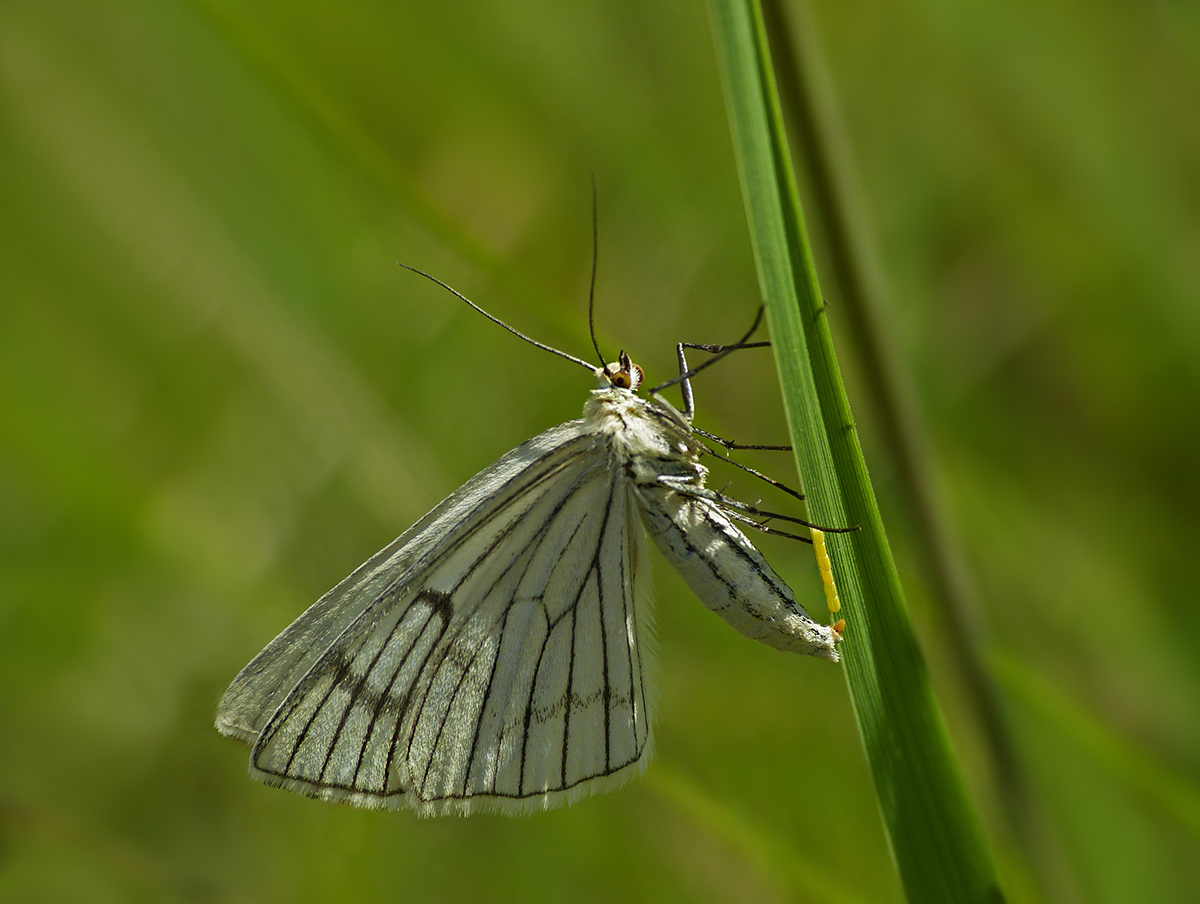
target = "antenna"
x: 513, y: 330
x: 592, y: 286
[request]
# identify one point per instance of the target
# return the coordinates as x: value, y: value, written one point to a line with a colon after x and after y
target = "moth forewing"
x: 370, y: 695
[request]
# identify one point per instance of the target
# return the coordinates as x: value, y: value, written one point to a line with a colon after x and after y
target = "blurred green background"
x: 218, y: 394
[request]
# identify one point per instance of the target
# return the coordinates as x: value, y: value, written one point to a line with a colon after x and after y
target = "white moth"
x: 492, y: 657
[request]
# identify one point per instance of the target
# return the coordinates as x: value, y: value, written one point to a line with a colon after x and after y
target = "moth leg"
x: 720, y: 349
x: 733, y: 445
x: 719, y: 352
x: 685, y: 386
x: 686, y: 487
x: 779, y: 485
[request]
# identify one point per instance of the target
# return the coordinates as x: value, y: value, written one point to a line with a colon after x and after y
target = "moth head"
x: 622, y: 373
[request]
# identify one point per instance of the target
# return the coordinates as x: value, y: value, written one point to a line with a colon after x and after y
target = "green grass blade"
x: 934, y: 834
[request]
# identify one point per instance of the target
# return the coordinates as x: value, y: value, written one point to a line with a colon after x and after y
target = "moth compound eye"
x: 616, y: 374
x: 623, y: 374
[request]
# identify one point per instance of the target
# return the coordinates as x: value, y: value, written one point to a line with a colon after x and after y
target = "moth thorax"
x: 622, y: 373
